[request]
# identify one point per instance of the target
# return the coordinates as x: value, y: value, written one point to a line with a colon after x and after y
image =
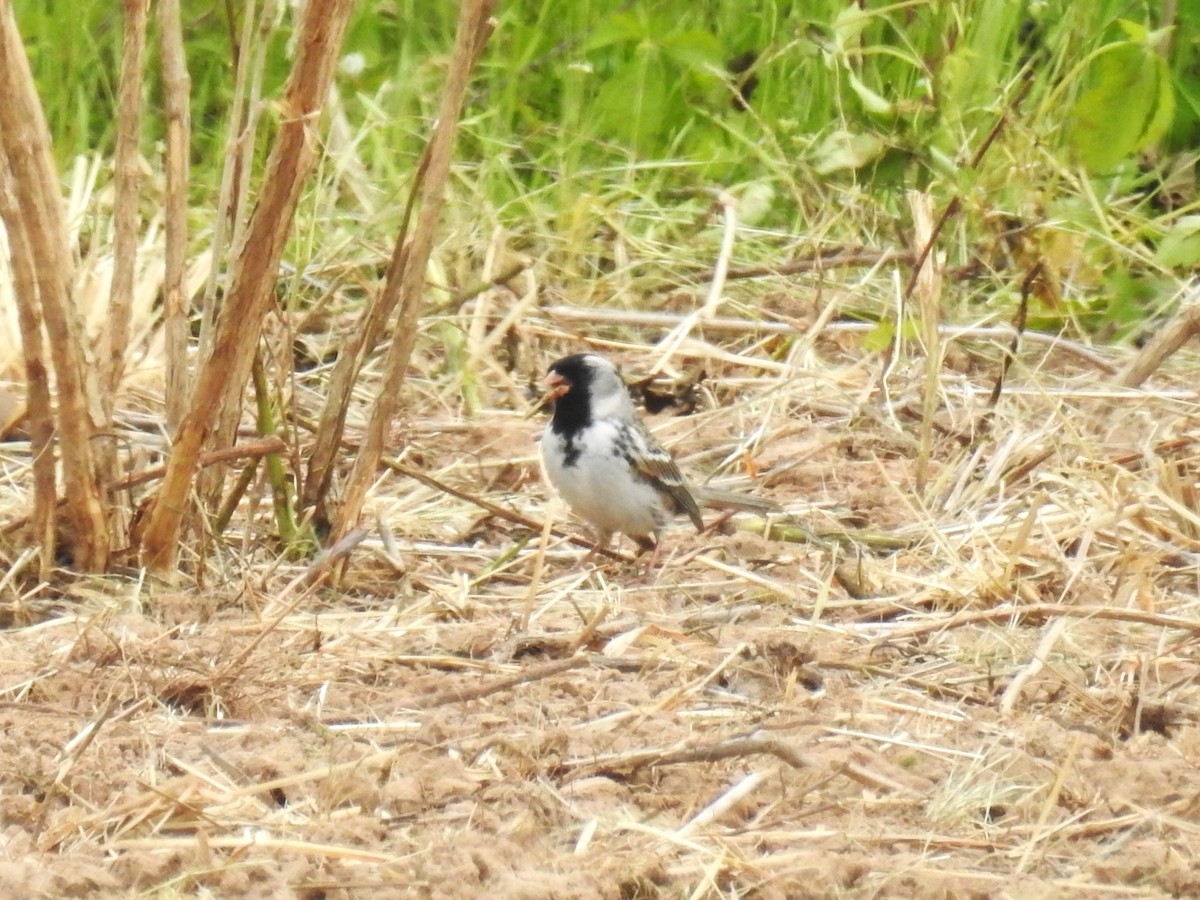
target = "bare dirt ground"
x: 977, y: 680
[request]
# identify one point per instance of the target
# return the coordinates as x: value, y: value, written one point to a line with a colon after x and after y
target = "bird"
x: 609, y: 469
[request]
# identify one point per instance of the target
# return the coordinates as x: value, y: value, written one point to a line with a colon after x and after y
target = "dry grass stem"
x: 474, y: 28
x: 224, y: 372
x: 671, y: 343
x: 820, y: 260
x: 233, y: 174
x: 37, y: 378
x: 176, y: 110
x: 289, y: 158
x: 32, y: 184
x: 126, y: 221
x: 731, y: 326
x: 1167, y: 340
x: 927, y: 291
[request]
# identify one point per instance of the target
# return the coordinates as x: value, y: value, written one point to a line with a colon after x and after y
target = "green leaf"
x: 1136, y: 31
x: 696, y: 50
x: 1164, y: 109
x: 843, y: 150
x: 849, y: 25
x: 620, y: 29
x: 872, y: 102
x: 632, y: 104
x: 755, y: 202
x: 1127, y: 105
x: 1180, y: 247
x: 879, y: 337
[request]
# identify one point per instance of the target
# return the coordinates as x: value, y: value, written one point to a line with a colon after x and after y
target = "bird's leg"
x: 654, y: 558
x: 654, y: 545
x: 603, y: 541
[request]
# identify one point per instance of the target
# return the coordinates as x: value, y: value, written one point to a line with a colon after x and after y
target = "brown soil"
x: 988, y: 689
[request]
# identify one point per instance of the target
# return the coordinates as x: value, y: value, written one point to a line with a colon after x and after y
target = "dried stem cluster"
x: 226, y: 369
x: 75, y: 403
x: 31, y: 206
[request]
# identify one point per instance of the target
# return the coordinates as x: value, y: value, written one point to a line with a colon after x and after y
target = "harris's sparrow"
x: 608, y: 467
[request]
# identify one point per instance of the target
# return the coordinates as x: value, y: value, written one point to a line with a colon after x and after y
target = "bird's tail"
x: 716, y: 498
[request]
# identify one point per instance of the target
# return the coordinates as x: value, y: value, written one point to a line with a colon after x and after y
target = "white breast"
x: 601, y: 487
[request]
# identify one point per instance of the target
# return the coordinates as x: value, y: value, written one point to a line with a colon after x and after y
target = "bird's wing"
x: 656, y: 464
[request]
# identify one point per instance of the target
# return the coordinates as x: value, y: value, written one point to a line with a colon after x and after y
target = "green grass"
x: 589, y: 120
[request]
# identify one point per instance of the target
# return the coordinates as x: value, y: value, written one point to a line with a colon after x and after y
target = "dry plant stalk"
x: 226, y: 368
x: 1184, y: 325
x: 38, y: 203
x: 239, y: 132
x: 927, y: 289
x: 115, y: 340
x: 245, y: 450
x: 37, y: 376
x: 818, y: 260
x: 474, y: 28
x: 332, y: 423
x: 955, y: 205
x: 670, y: 344
x: 360, y: 342
x: 251, y: 67
x: 176, y: 88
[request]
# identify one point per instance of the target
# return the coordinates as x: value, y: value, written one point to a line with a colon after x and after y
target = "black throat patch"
x: 569, y: 421
x: 573, y: 410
